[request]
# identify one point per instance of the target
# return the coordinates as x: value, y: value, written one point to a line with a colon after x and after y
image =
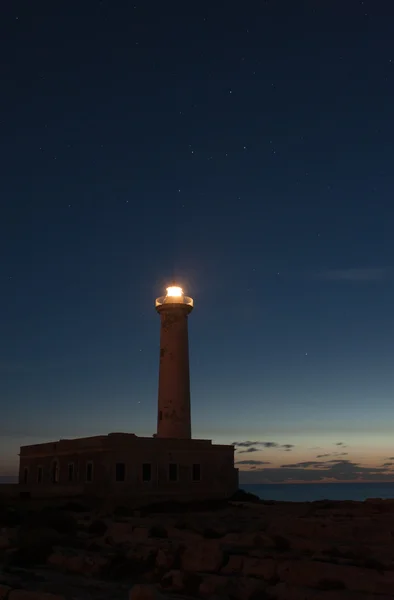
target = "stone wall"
x: 218, y: 475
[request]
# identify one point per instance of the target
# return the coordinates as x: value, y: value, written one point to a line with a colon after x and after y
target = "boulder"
x: 327, y: 576
x: 248, y: 588
x: 213, y: 584
x: 120, y: 533
x: 180, y: 582
x: 234, y: 565
x: 265, y: 569
x: 145, y: 592
x: 4, y: 591
x: 174, y: 581
x: 282, y: 591
x: 79, y: 563
x: 142, y: 533
x: 206, y: 556
x: 27, y: 595
x: 143, y: 553
x: 166, y: 558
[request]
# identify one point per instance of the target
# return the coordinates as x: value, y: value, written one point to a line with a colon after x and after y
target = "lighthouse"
x: 170, y: 464
x: 173, y: 410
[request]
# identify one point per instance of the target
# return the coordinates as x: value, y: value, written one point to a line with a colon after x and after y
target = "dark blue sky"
x: 249, y: 154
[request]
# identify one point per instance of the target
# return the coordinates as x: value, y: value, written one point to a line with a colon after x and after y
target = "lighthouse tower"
x: 173, y: 418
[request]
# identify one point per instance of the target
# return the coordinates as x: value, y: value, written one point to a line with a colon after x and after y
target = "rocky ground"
x: 221, y: 551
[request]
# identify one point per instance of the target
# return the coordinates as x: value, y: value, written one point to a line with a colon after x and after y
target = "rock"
x: 234, y: 565
x: 282, y: 591
x: 205, y: 556
x: 157, y: 531
x: 166, y: 558
x: 242, y: 542
x: 185, y: 535
x: 145, y: 592
x: 97, y: 527
x: 180, y: 582
x: 265, y: 569
x: 327, y: 576
x: 143, y: 554
x: 213, y: 584
x: 33, y: 547
x: 4, y: 542
x: 84, y: 564
x: 119, y: 533
x: 141, y: 533
x: 248, y: 588
x: 173, y: 581
x: 27, y: 595
x: 4, y: 591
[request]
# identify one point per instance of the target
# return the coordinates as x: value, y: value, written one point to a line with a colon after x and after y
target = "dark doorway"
x: 120, y: 472
x: 173, y: 472
x: 146, y: 472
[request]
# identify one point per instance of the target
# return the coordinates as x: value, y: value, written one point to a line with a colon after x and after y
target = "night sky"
x: 246, y: 153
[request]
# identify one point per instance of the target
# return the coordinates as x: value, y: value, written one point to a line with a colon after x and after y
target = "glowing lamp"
x: 174, y: 292
x: 174, y: 296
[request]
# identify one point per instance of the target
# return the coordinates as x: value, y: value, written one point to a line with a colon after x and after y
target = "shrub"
x: 211, y: 534
x: 123, y: 511
x: 10, y: 517
x: 123, y: 567
x: 34, y: 547
x: 242, y: 496
x: 49, y: 518
x: 331, y: 584
x: 97, y: 528
x: 75, y: 507
x: 281, y: 543
x: 157, y: 531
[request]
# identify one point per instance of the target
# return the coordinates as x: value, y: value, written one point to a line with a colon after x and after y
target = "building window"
x: 120, y: 472
x: 196, y: 472
x: 89, y: 472
x: 39, y: 474
x: 25, y: 475
x: 71, y: 472
x: 173, y: 472
x: 146, y: 472
x: 55, y: 471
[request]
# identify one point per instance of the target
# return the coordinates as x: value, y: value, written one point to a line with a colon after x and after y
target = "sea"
x: 310, y: 492
x: 307, y: 492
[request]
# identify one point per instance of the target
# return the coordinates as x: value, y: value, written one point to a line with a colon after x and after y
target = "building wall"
x: 218, y: 476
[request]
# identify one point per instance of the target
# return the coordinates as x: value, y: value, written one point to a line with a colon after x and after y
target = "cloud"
x: 340, y: 444
x: 252, y: 462
x: 305, y: 464
x: 333, y: 454
x: 356, y: 274
x: 287, y: 447
x: 251, y: 446
x: 388, y: 464
x: 335, y: 470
